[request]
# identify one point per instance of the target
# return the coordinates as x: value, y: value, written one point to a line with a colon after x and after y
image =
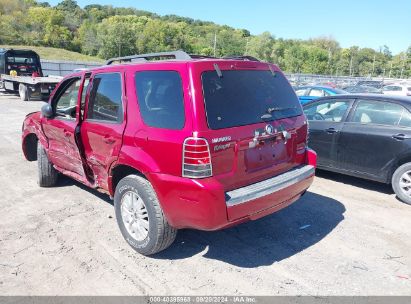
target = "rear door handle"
x: 109, y: 140
x: 67, y: 133
x: 331, y: 130
x: 400, y: 136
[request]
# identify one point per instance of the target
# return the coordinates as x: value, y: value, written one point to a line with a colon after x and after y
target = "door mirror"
x: 47, y: 111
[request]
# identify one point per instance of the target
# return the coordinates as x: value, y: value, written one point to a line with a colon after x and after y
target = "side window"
x: 65, y: 104
x: 392, y: 88
x: 105, y: 101
x: 2, y: 63
x: 330, y: 110
x: 300, y: 92
x: 405, y: 120
x: 378, y: 112
x: 316, y: 93
x: 160, y: 98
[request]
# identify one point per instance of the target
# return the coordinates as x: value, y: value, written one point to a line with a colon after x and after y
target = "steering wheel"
x: 318, y: 116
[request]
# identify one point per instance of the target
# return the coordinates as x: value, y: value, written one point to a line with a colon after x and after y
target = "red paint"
x: 158, y: 153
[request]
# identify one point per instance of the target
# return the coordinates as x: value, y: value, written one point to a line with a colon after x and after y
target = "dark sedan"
x: 362, y: 89
x: 367, y: 136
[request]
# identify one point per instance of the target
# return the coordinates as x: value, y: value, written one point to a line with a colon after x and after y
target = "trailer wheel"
x: 24, y: 92
x: 44, y: 97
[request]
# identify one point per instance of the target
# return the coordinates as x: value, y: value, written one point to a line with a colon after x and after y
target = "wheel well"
x: 121, y: 171
x: 398, y: 163
x: 30, y: 147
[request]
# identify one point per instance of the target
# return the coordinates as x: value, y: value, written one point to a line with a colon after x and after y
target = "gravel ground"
x: 346, y: 236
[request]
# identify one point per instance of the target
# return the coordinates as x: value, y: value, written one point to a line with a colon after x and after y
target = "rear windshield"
x: 247, y: 97
x: 22, y: 60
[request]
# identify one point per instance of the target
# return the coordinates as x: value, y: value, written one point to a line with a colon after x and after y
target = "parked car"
x: 397, y: 89
x: 308, y: 93
x: 329, y: 84
x: 184, y: 143
x: 378, y: 84
x: 362, y: 89
x: 367, y: 136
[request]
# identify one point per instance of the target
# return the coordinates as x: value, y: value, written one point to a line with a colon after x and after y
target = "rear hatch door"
x: 256, y: 127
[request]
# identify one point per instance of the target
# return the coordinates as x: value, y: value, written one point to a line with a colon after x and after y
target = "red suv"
x: 180, y: 142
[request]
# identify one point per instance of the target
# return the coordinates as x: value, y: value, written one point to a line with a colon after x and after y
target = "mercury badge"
x: 269, y: 129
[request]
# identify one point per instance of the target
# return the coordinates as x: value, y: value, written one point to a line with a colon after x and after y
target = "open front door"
x: 62, y: 130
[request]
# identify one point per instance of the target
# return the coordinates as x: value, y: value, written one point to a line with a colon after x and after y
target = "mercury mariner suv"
x: 177, y: 140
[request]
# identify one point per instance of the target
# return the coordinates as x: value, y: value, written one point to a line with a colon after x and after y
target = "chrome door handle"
x: 331, y: 130
x: 400, y: 136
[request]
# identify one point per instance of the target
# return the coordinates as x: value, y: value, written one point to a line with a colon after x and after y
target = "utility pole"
x: 329, y: 59
x: 403, y: 66
x: 373, y: 67
x: 215, y: 43
x: 351, y: 66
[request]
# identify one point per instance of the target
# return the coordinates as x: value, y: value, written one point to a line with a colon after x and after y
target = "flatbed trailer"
x: 21, y: 72
x: 28, y: 86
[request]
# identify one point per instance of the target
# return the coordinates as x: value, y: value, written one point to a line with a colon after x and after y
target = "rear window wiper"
x: 273, y: 110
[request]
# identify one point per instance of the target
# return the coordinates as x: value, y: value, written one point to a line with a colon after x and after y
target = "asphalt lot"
x: 346, y: 236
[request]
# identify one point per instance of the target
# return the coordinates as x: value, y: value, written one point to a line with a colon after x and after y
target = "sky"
x: 366, y: 23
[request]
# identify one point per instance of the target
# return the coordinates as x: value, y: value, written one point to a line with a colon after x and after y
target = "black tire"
x: 47, y: 174
x: 44, y: 97
x: 396, y: 180
x: 160, y: 234
x: 24, y: 92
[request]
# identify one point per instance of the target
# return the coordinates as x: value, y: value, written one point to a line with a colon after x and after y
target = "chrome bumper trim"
x: 269, y: 186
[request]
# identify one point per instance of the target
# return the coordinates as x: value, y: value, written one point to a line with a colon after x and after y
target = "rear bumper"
x: 203, y: 204
x: 276, y: 191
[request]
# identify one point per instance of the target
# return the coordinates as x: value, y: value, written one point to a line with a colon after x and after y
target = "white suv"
x: 400, y: 89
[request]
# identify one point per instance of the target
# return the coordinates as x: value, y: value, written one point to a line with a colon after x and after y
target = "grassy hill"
x: 56, y: 54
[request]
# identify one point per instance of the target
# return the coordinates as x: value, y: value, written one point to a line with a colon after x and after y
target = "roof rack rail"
x: 198, y: 56
x: 247, y: 58
x: 179, y: 55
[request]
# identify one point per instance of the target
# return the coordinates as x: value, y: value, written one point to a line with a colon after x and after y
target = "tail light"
x: 311, y: 157
x: 196, y: 158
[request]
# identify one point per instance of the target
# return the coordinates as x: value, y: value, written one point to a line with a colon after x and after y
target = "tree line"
x: 106, y: 31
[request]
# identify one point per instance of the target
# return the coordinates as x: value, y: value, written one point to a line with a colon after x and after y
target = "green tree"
x: 118, y: 35
x: 317, y: 60
x: 294, y: 58
x: 261, y: 46
x: 157, y: 36
x: 46, y: 28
